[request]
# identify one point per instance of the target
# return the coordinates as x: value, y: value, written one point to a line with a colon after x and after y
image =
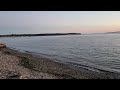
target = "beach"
x: 19, y: 65
x: 59, y: 45
x: 14, y: 64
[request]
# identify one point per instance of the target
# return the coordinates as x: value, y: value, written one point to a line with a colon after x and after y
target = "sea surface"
x: 99, y: 51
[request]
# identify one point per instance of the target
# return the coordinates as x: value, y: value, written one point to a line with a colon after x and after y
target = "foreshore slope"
x: 25, y: 66
x: 18, y: 65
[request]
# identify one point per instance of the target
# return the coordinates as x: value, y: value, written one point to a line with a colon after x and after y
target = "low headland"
x: 45, y: 34
x: 117, y: 32
x: 18, y: 65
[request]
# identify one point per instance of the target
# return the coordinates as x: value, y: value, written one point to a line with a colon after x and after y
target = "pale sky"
x: 14, y: 22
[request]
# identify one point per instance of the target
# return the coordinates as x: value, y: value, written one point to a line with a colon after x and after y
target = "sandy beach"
x: 17, y: 65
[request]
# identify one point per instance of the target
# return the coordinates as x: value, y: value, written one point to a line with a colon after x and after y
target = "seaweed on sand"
x: 26, y: 63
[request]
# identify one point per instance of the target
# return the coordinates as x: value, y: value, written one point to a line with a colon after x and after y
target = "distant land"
x: 46, y: 34
x: 117, y: 32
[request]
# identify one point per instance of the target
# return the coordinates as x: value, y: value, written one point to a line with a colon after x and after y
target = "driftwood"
x: 2, y: 45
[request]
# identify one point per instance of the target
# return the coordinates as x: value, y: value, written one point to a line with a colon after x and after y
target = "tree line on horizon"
x: 48, y: 34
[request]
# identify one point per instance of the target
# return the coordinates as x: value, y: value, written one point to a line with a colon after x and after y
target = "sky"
x: 17, y: 22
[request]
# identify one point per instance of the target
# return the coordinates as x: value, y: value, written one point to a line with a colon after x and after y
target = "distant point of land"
x: 48, y: 34
x: 117, y: 32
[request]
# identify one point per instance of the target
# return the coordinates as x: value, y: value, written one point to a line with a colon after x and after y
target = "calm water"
x: 99, y: 51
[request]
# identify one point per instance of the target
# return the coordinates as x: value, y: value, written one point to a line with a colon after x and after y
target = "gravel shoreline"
x: 11, y: 69
x: 25, y: 66
x: 17, y: 65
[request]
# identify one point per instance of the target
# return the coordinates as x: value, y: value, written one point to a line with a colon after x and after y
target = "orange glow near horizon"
x: 98, y: 29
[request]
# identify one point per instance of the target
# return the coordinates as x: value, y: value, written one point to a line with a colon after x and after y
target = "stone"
x: 24, y: 77
x: 6, y: 74
x: 2, y: 45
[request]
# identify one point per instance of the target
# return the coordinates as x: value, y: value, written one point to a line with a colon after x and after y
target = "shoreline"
x: 32, y: 35
x: 55, y: 70
x: 40, y: 65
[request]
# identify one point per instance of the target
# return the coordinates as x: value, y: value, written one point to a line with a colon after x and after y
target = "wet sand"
x: 19, y: 65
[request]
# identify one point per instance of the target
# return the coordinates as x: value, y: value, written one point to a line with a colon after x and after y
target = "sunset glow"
x: 59, y: 21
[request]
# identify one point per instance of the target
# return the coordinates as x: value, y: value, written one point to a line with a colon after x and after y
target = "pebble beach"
x: 14, y: 65
x: 19, y: 65
x: 10, y: 69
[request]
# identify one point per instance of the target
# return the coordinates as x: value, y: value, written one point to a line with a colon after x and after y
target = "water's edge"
x: 95, y: 72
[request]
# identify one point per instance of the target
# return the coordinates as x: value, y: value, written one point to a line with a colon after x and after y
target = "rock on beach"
x: 2, y: 45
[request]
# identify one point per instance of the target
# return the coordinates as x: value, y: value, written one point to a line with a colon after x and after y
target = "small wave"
x: 94, y: 68
x: 83, y: 66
